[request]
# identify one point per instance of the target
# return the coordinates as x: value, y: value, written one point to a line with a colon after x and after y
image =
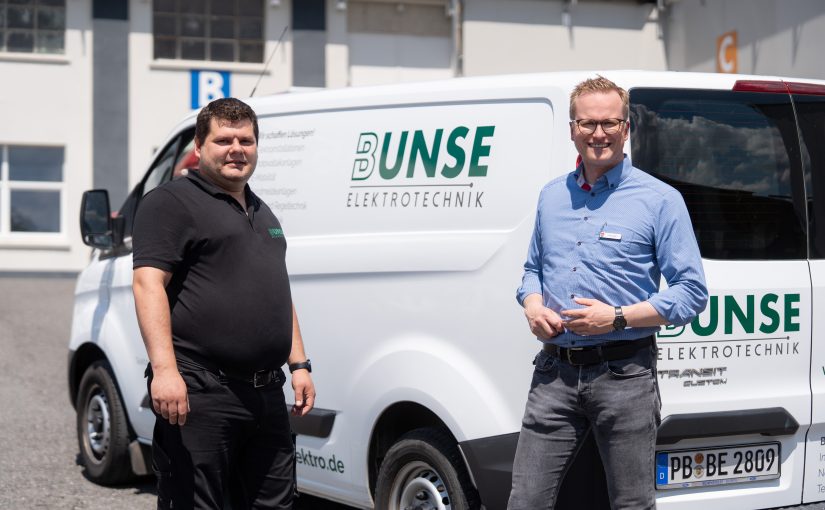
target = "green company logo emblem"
x: 427, y: 151
x: 276, y: 232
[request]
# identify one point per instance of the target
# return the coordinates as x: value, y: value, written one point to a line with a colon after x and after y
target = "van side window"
x: 811, y: 116
x: 735, y: 158
x: 164, y: 168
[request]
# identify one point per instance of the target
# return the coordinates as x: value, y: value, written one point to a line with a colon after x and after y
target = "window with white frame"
x: 33, y: 26
x: 216, y: 30
x: 32, y: 186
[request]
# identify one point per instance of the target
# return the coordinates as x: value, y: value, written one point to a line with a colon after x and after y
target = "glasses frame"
x: 599, y: 124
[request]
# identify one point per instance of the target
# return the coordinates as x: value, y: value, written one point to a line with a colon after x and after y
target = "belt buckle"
x: 260, y: 379
x: 569, y: 353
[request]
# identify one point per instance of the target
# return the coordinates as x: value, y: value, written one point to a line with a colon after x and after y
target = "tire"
x: 424, y: 471
x: 102, y: 430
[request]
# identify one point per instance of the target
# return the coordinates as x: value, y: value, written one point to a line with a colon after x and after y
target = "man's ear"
x: 197, y: 148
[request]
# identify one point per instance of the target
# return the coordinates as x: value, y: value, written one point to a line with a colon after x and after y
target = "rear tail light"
x: 779, y: 87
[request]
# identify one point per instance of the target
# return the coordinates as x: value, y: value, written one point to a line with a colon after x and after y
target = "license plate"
x: 703, y: 467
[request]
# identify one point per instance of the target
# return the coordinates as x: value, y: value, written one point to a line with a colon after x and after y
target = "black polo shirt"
x: 229, y: 294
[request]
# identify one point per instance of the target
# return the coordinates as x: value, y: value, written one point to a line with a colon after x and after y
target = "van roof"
x: 489, y: 86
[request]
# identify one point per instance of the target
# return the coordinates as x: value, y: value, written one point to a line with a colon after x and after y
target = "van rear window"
x: 734, y: 156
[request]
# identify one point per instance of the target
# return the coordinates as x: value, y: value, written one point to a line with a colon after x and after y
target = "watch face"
x: 619, y: 323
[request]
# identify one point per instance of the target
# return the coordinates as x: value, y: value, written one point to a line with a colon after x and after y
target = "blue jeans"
x: 618, y: 400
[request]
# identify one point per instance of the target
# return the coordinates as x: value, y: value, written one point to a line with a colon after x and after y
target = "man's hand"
x: 304, y: 392
x: 595, y: 318
x: 169, y: 397
x: 543, y: 322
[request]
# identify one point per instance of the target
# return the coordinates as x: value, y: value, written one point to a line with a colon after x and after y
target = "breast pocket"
x: 614, y: 242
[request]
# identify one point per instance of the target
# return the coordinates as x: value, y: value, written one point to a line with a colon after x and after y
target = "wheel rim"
x: 98, y: 423
x: 419, y: 487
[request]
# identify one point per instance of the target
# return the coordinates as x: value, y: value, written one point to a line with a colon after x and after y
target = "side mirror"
x: 96, y: 219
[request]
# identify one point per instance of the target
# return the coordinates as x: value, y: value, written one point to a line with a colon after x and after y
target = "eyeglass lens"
x: 609, y: 126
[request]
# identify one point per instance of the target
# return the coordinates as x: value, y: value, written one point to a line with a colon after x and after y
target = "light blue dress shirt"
x: 614, y: 243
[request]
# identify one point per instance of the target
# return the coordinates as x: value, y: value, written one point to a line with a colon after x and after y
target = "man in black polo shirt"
x: 214, y: 307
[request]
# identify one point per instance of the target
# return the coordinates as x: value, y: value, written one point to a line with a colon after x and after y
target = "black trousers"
x: 235, y: 451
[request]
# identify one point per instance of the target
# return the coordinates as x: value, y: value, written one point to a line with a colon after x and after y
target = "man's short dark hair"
x: 224, y: 109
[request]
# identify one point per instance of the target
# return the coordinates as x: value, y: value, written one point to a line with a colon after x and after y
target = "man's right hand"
x: 544, y: 322
x: 169, y: 397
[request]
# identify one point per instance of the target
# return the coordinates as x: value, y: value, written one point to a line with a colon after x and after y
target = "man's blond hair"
x: 598, y: 84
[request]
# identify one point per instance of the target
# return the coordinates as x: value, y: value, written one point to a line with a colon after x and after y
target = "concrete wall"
x: 516, y: 36
x: 47, y: 100
x: 775, y: 37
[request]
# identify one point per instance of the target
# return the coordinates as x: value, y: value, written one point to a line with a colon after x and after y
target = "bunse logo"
x: 434, y: 168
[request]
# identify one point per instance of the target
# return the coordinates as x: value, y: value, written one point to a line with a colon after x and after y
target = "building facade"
x: 91, y: 87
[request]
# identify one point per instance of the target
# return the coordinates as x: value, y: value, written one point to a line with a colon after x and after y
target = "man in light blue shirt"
x: 604, y: 237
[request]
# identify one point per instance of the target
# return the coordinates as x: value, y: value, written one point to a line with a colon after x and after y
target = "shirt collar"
x: 213, y: 190
x: 612, y: 177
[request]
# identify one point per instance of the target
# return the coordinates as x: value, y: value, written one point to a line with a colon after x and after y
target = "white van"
x: 408, y: 210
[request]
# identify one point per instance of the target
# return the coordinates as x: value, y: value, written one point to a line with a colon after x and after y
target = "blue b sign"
x: 208, y: 86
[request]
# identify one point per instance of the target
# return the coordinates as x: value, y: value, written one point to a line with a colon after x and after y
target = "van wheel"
x: 102, y: 433
x: 424, y: 471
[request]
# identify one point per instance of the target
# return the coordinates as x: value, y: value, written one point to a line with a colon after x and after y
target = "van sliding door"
x: 738, y: 374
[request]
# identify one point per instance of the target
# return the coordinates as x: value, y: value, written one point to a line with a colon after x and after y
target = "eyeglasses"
x: 589, y: 126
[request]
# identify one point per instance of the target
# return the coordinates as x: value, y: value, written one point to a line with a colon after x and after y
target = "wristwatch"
x: 298, y: 366
x: 619, y: 323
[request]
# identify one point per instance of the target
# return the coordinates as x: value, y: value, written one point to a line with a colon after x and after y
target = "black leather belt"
x: 257, y: 379
x: 600, y: 353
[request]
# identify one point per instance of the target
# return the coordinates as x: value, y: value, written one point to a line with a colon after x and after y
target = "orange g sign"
x: 726, y: 60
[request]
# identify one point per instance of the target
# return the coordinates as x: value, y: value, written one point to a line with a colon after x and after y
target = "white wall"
x: 159, y: 91
x: 775, y: 37
x: 529, y: 35
x: 47, y: 100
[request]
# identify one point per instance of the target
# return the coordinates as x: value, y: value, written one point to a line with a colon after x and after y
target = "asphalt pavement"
x: 39, y: 466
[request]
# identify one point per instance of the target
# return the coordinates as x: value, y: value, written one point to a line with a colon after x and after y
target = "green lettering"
x: 745, y: 318
x: 455, y: 150
x: 390, y: 172
x: 791, y: 312
x: 480, y: 150
x: 713, y: 308
x: 428, y: 159
x: 770, y: 313
x: 671, y: 331
x: 362, y: 167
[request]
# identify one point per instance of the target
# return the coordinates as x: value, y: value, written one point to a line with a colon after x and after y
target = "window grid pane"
x: 50, y: 42
x: 27, y: 26
x: 35, y: 211
x: 32, y: 180
x: 213, y: 30
x: 20, y: 41
x: 41, y: 164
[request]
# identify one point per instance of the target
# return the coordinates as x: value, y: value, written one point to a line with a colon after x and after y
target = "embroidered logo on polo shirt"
x: 276, y: 232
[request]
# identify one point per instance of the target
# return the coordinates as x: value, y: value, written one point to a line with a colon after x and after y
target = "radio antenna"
x: 263, y: 71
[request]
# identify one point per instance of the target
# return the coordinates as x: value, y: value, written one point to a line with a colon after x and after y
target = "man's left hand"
x: 595, y: 318
x: 304, y: 392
